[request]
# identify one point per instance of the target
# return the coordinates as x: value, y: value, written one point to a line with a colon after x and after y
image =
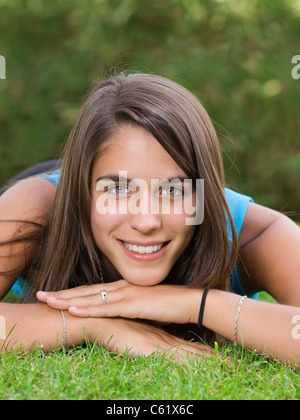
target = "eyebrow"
x: 117, y: 178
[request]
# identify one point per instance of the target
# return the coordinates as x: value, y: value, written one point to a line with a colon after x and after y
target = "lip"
x: 145, y: 257
x: 144, y: 243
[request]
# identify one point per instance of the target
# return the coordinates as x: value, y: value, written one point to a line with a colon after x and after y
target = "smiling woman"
x: 152, y: 128
x: 127, y: 239
x: 92, y: 225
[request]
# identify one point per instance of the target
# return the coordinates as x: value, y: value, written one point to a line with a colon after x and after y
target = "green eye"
x: 118, y: 189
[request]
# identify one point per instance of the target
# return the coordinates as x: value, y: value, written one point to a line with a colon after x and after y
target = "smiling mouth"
x: 149, y: 249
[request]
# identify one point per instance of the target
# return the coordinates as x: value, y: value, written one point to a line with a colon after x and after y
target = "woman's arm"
x: 28, y: 200
x: 265, y: 327
x: 268, y: 328
x: 270, y: 255
x: 27, y: 326
x: 31, y: 325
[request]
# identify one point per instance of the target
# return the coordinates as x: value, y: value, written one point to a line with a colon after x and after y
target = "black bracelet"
x: 202, y: 307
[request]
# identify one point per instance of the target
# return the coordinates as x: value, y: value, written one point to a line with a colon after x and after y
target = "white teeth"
x: 143, y: 249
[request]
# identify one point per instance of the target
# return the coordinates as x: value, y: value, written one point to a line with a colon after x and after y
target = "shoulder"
x: 28, y: 199
x: 270, y: 243
x: 257, y: 220
x: 238, y: 204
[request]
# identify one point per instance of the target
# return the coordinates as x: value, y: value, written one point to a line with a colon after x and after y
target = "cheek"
x: 103, y: 225
x: 176, y: 223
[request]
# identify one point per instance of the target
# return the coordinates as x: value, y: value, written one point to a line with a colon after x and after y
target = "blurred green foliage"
x: 235, y: 55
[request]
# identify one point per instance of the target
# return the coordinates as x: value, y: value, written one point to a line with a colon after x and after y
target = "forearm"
x: 30, y: 325
x: 263, y: 326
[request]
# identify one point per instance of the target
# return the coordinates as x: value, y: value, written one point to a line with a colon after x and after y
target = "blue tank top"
x: 237, y: 203
x: 54, y: 177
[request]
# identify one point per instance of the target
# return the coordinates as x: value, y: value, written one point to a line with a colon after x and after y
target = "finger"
x: 69, y: 293
x: 86, y: 311
x: 85, y: 301
x: 193, y: 348
x: 93, y: 301
x: 41, y: 296
x: 105, y: 310
x: 184, y: 346
x: 184, y: 351
x: 201, y: 351
x: 81, y: 290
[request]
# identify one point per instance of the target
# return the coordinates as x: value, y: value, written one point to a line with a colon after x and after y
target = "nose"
x: 145, y: 223
x: 142, y: 217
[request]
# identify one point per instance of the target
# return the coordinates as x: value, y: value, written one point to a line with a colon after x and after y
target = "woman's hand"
x: 135, y: 337
x: 163, y: 303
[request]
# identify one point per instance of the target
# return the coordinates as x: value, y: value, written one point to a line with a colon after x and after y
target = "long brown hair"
x: 181, y: 125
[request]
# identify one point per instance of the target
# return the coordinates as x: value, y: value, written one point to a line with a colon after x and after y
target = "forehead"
x: 135, y: 150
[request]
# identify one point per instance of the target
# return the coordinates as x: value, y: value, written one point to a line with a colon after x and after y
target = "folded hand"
x: 163, y: 303
x: 136, y: 337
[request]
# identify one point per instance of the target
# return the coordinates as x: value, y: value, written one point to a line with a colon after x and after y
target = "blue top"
x: 238, y: 204
x: 53, y: 177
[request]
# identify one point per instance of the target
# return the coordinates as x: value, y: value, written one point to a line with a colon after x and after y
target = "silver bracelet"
x: 236, y: 322
x: 65, y: 329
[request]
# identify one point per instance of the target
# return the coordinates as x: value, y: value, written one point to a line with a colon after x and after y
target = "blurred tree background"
x: 234, y: 55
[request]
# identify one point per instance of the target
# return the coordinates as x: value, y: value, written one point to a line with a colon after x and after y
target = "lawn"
x: 93, y: 373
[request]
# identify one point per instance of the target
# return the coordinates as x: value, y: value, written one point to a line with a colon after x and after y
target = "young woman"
x: 141, y: 139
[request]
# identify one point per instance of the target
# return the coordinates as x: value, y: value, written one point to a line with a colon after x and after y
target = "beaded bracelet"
x: 236, y: 322
x: 65, y: 329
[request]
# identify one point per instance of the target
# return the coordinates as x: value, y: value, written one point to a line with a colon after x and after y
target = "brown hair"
x: 181, y: 125
x: 68, y: 255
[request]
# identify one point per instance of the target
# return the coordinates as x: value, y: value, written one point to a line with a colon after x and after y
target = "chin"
x: 144, y: 279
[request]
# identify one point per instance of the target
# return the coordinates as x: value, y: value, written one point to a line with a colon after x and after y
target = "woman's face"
x: 140, y: 241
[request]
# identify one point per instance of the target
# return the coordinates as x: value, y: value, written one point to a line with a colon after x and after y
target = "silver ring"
x: 103, y: 294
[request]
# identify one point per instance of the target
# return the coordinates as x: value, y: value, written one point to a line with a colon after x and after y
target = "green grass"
x: 93, y: 373
x: 90, y: 372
